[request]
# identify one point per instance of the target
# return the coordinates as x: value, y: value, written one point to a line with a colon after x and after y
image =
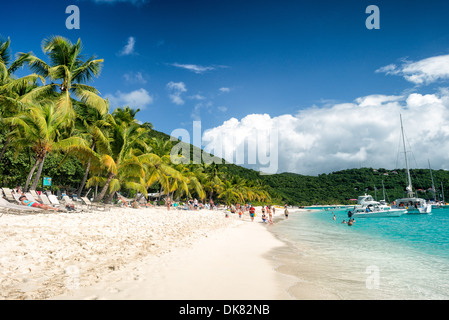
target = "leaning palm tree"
x: 70, y: 71
x: 39, y: 129
x: 124, y: 161
x: 194, y: 175
x: 92, y: 126
x: 213, y: 178
x: 231, y: 193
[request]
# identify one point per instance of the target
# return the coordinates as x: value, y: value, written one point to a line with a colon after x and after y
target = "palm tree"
x: 124, y: 159
x: 231, y: 193
x: 213, y: 178
x: 39, y: 129
x: 12, y: 89
x: 194, y: 175
x: 69, y: 69
x: 162, y: 171
x: 92, y: 126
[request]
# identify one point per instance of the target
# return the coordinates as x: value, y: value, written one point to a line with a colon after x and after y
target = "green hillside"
x: 333, y: 188
x: 338, y: 187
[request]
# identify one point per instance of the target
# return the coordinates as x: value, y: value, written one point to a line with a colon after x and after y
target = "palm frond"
x: 89, y: 96
x: 64, y: 105
x: 18, y: 62
x: 96, y: 180
x: 5, y: 55
x: 37, y: 93
x: 109, y: 163
x: 114, y: 185
x: 35, y: 64
x: 17, y: 85
x: 84, y: 73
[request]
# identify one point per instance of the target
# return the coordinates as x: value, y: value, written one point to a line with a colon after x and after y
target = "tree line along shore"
x: 54, y: 124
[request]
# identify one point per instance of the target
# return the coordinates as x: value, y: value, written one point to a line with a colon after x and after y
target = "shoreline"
x: 139, y: 254
x: 300, y: 287
x: 222, y: 265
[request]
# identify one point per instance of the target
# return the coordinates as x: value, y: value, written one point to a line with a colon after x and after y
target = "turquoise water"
x: 403, y: 257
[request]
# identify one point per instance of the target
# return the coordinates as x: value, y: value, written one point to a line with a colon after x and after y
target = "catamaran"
x: 411, y: 203
x: 367, y: 207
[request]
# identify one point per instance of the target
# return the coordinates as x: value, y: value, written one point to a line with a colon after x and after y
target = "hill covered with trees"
x: 338, y: 187
x: 53, y: 123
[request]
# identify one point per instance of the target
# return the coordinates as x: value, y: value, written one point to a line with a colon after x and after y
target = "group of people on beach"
x: 267, y: 211
x: 30, y: 203
x: 191, y: 204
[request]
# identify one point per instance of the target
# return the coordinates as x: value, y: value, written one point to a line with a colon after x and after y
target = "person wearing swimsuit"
x: 34, y: 204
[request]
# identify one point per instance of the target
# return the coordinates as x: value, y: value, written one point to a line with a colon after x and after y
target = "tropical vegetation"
x: 54, y: 123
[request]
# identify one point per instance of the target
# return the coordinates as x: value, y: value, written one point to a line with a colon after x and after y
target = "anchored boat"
x: 411, y: 203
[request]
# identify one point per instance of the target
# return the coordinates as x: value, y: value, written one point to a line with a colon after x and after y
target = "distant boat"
x: 375, y: 211
x: 411, y: 203
x: 441, y: 204
x: 367, y: 207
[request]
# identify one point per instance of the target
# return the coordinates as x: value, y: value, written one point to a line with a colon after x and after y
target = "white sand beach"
x: 146, y: 253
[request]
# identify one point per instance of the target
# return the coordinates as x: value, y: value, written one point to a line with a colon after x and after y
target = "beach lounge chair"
x: 8, y: 194
x: 94, y: 206
x: 31, y: 197
x: 124, y: 201
x: 16, y: 208
x: 54, y: 200
x: 69, y: 202
x: 75, y: 198
x: 16, y: 198
x: 45, y: 200
x: 35, y: 195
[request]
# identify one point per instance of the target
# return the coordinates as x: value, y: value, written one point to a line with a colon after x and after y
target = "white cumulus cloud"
x: 176, y: 89
x: 365, y: 132
x: 135, y: 99
x: 420, y: 72
x: 128, y: 49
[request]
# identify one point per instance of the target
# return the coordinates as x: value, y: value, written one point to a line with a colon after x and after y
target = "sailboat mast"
x: 409, y: 188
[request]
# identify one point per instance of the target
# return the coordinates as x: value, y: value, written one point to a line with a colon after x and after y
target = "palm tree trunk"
x: 30, y: 175
x: 38, y: 174
x: 159, y: 196
x: 86, y: 174
x: 83, y: 182
x: 109, y: 198
x: 105, y: 188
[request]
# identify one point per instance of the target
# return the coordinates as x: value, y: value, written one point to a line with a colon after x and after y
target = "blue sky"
x: 216, y: 60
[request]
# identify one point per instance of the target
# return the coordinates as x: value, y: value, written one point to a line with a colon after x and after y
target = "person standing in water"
x: 252, y: 212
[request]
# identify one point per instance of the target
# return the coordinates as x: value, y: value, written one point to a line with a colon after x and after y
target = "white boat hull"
x: 421, y: 210
x: 379, y: 214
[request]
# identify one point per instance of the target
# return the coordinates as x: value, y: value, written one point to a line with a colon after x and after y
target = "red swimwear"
x: 31, y: 203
